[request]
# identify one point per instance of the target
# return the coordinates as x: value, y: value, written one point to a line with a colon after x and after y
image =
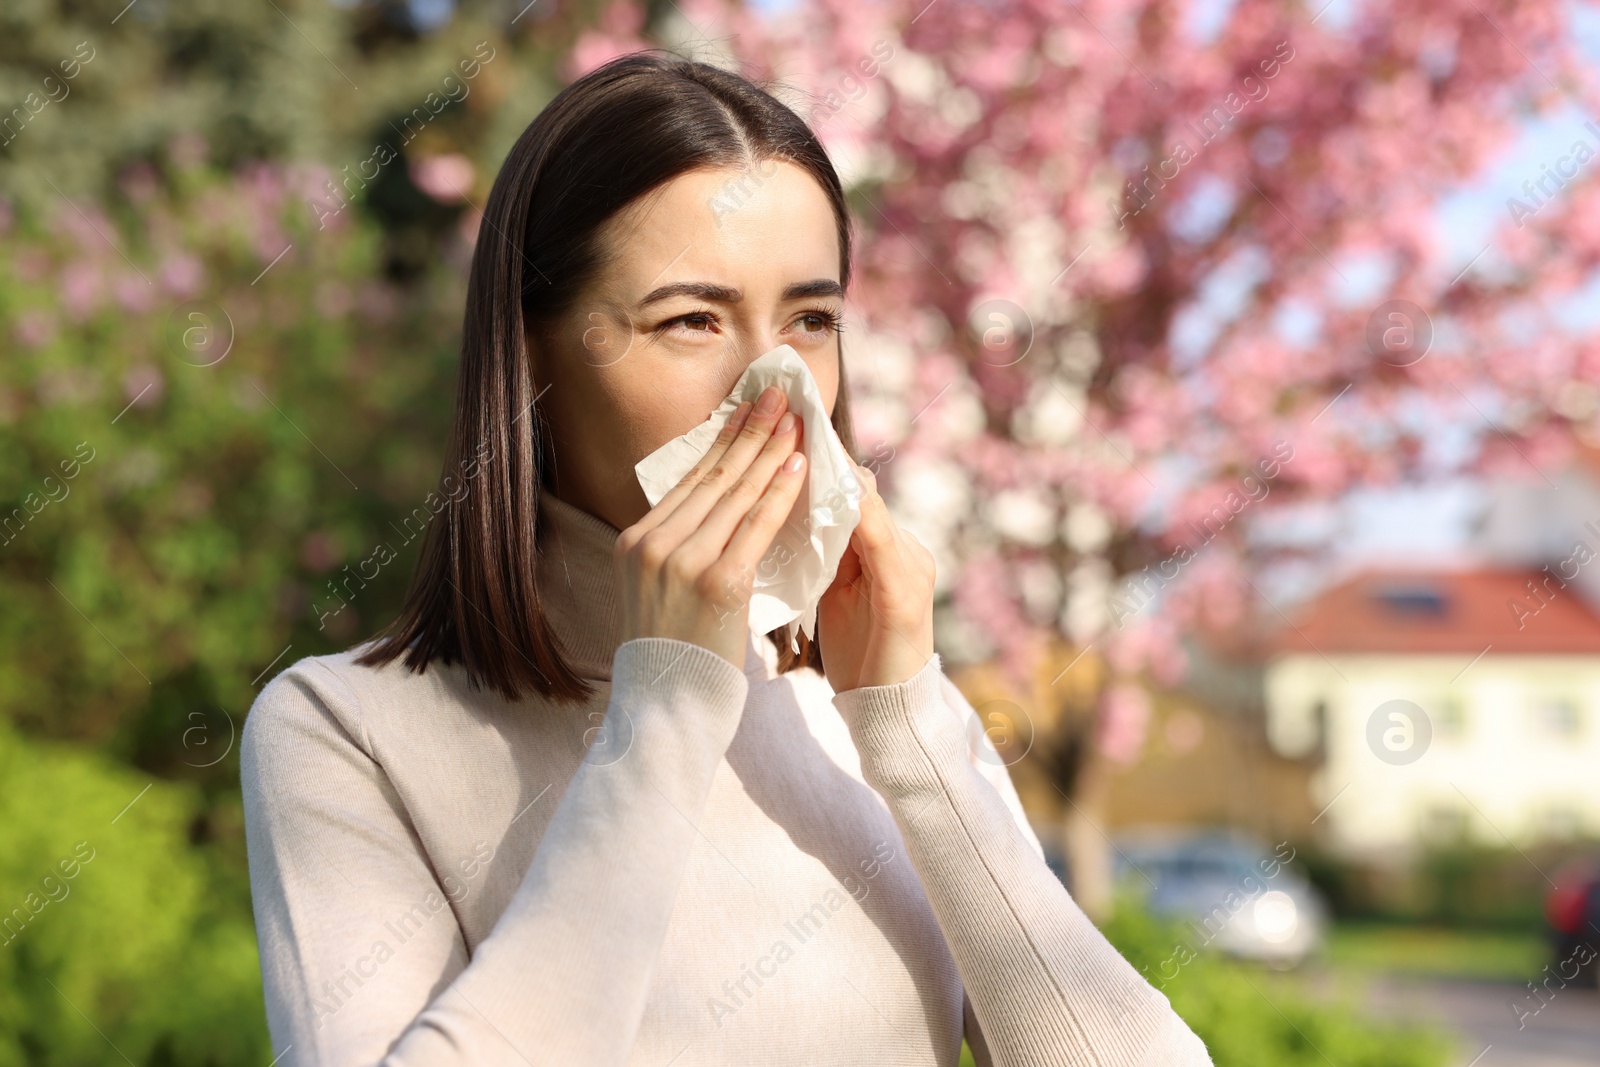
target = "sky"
x: 1432, y: 524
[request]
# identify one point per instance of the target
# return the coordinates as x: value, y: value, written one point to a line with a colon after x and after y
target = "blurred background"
x: 1237, y: 359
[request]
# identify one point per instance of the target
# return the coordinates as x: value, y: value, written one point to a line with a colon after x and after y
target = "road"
x: 1564, y: 1032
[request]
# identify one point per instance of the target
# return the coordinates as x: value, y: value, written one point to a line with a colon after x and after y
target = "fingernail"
x: 785, y: 424
x: 769, y: 400
x: 740, y: 413
x: 794, y: 462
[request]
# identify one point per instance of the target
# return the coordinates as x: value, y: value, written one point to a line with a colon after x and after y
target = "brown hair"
x: 610, y: 137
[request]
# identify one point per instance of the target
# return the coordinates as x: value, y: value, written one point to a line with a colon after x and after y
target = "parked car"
x: 1236, y: 894
x: 1572, y: 909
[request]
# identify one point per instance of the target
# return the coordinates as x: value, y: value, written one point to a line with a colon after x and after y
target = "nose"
x: 745, y: 351
x: 760, y: 343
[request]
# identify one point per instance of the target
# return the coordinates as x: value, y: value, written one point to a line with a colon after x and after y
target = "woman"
x: 567, y: 809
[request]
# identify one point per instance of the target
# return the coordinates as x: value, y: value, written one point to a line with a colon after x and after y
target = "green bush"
x: 114, y: 937
x: 1452, y: 883
x: 214, y: 425
x: 1250, y: 1018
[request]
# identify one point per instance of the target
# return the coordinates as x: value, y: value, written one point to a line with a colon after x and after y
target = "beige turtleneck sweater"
x: 702, y: 865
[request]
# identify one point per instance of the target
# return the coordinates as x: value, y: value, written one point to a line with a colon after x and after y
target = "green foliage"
x: 290, y: 80
x: 1474, y: 884
x: 115, y: 929
x: 213, y: 496
x: 210, y: 406
x: 1457, y: 884
x: 232, y: 441
x: 1454, y: 952
x: 1251, y: 1018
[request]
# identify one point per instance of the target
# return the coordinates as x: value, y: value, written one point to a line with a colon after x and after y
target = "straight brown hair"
x: 610, y: 137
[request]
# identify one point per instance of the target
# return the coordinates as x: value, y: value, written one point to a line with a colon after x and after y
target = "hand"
x: 687, y: 568
x: 875, y: 622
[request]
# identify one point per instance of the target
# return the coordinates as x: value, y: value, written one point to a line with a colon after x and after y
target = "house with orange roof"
x: 1446, y: 705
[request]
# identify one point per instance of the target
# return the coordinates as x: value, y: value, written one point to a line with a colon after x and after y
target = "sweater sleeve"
x: 1043, y: 983
x: 336, y: 872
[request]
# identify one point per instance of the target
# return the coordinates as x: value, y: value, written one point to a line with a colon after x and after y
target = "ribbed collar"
x: 577, y: 584
x: 579, y: 590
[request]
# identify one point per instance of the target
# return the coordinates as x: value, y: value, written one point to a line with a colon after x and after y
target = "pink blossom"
x: 30, y: 263
x: 447, y: 178
x: 34, y: 328
x: 1124, y: 722
x: 188, y: 150
x: 82, y: 288
x: 182, y: 274
x: 334, y: 300
x: 134, y: 294
x: 377, y: 302
x: 618, y: 35
x: 143, y: 386
x: 467, y: 228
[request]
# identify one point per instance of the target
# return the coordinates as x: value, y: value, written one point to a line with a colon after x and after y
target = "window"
x: 1557, y: 718
x: 1451, y: 717
x: 1559, y: 821
x: 1427, y: 601
x: 1444, y: 823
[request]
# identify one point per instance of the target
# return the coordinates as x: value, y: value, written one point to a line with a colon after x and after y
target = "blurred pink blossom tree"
x: 1123, y: 277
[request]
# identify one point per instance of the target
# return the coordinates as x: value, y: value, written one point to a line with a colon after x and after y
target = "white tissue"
x: 805, y: 555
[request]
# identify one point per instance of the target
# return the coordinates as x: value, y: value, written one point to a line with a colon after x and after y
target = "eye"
x: 692, y: 322
x: 820, y: 320
x: 813, y: 321
x: 697, y: 323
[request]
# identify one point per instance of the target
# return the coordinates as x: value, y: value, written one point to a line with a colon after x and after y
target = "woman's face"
x: 705, y: 275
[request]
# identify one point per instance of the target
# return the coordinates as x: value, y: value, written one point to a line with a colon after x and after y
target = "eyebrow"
x: 725, y: 295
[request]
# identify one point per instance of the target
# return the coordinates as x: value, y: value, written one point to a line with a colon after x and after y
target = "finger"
x: 876, y: 529
x: 913, y: 548
x: 711, y: 540
x: 896, y: 573
x: 680, y: 492
x: 849, y: 569
x: 754, y: 535
x: 747, y: 444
